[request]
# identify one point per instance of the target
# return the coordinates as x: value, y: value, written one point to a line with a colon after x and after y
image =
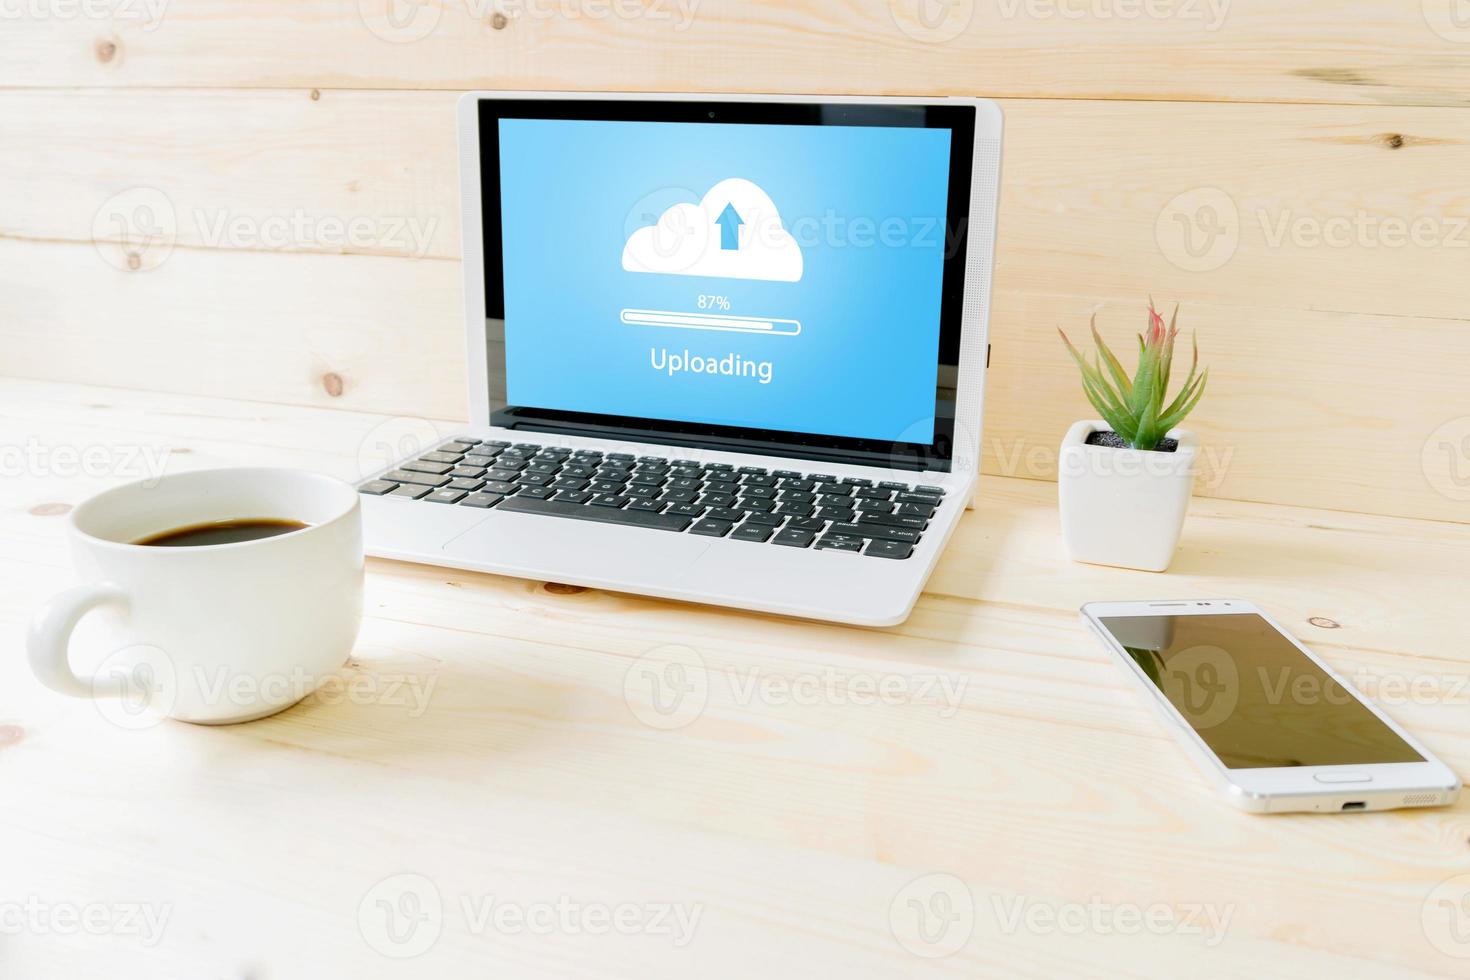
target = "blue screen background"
x: 864, y: 365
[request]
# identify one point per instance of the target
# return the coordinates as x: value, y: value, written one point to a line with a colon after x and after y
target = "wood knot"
x: 1322, y: 622
x: 106, y: 50
x: 557, y: 588
x: 316, y: 95
x: 1392, y: 140
x: 135, y: 261
x: 333, y: 384
x: 50, y: 510
x: 499, y: 22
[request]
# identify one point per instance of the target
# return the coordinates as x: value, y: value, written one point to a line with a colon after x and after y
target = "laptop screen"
x: 767, y: 276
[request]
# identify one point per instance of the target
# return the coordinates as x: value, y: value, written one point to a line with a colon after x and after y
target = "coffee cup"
x: 218, y: 596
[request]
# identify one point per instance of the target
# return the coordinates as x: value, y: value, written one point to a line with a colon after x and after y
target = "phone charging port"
x: 1358, y: 805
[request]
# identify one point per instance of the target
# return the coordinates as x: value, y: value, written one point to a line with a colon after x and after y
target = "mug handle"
x: 50, y: 636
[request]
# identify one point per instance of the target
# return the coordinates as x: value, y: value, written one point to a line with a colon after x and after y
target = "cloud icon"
x: 734, y: 232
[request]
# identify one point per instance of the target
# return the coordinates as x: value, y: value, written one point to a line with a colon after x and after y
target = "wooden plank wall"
x: 1294, y: 172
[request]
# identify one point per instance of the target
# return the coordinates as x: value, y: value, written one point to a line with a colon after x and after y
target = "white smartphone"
x: 1275, y: 727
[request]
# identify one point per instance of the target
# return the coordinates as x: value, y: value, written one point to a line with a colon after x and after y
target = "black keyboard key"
x: 686, y: 510
x: 758, y: 481
x: 574, y: 496
x: 893, y: 520
x: 496, y: 444
x: 875, y: 506
x: 720, y: 486
x: 680, y: 497
x: 606, y: 486
x: 535, y: 480
x: 537, y: 493
x: 503, y: 476
x: 712, y: 528
x: 856, y: 481
x: 474, y: 459
x: 725, y: 514
x: 794, y: 510
x: 888, y: 549
x: 498, y: 486
x: 758, y: 492
x: 915, y: 510
x: 609, y: 500
x: 872, y: 493
x: 917, y: 498
x: 786, y: 474
x: 601, y: 515
x: 445, y: 496
x: 766, y: 520
x: 794, y: 538
x: 457, y: 448
x: 757, y: 503
x: 437, y: 468
x: 681, y: 483
x: 892, y: 485
x: 797, y: 497
x: 807, y: 523
x: 569, y: 483
x: 652, y: 506
x: 839, y: 514
x: 465, y: 484
x: 411, y: 491
x: 528, y: 446
x: 467, y: 471
x: 376, y: 488
x: 752, y: 532
x: 641, y: 490
x: 904, y: 534
x: 834, y: 489
x: 481, y: 500
x: 541, y: 466
x: 797, y: 484
x: 422, y: 479
x: 936, y: 491
x: 717, y: 499
x: 830, y: 542
x: 626, y: 457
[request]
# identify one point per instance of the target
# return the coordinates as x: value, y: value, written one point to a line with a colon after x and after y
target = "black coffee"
x: 221, y: 532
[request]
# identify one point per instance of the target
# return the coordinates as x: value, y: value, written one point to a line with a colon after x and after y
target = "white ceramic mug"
x: 213, y: 633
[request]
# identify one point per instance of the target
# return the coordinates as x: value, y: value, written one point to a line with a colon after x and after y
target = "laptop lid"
x: 781, y: 275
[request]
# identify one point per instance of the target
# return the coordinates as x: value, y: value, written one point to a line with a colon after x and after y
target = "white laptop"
x: 723, y: 349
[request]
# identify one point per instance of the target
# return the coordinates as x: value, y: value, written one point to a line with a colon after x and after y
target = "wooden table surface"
x: 501, y: 786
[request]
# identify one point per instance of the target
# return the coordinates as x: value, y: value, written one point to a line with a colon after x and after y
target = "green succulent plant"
x: 1135, y: 407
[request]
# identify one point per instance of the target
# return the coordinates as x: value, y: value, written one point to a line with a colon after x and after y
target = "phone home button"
x: 1342, y: 777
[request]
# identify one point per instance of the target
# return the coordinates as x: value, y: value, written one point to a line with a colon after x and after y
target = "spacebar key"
x: 602, y: 515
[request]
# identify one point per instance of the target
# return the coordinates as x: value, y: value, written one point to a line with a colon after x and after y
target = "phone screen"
x: 1253, y: 697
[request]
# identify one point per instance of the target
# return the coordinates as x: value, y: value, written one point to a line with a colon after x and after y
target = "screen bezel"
x: 480, y: 116
x: 1295, y: 782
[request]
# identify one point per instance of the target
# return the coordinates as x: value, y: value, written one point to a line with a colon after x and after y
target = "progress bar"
x: 712, y: 321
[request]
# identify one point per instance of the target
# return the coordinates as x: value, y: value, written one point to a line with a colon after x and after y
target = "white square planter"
x: 1123, y: 507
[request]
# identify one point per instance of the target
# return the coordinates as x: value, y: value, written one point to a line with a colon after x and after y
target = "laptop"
x: 727, y: 349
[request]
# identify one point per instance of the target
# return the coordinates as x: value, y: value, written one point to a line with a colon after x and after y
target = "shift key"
x: 884, y: 531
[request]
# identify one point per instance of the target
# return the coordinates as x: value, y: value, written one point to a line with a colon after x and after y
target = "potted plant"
x: 1124, y: 480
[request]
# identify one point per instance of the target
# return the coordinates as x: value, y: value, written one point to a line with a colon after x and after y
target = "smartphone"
x: 1277, y: 729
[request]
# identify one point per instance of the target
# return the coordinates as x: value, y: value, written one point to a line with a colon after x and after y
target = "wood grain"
x: 1330, y: 51
x: 795, y: 825
x: 1336, y: 359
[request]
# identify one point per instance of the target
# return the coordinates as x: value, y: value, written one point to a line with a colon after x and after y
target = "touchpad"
x: 537, y: 546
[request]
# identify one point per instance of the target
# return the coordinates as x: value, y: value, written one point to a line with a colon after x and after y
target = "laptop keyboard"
x: 745, y: 503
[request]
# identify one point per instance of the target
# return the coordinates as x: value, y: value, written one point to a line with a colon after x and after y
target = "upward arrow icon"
x: 730, y: 222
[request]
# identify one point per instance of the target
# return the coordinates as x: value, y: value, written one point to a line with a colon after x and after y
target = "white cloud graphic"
x: 691, y: 239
